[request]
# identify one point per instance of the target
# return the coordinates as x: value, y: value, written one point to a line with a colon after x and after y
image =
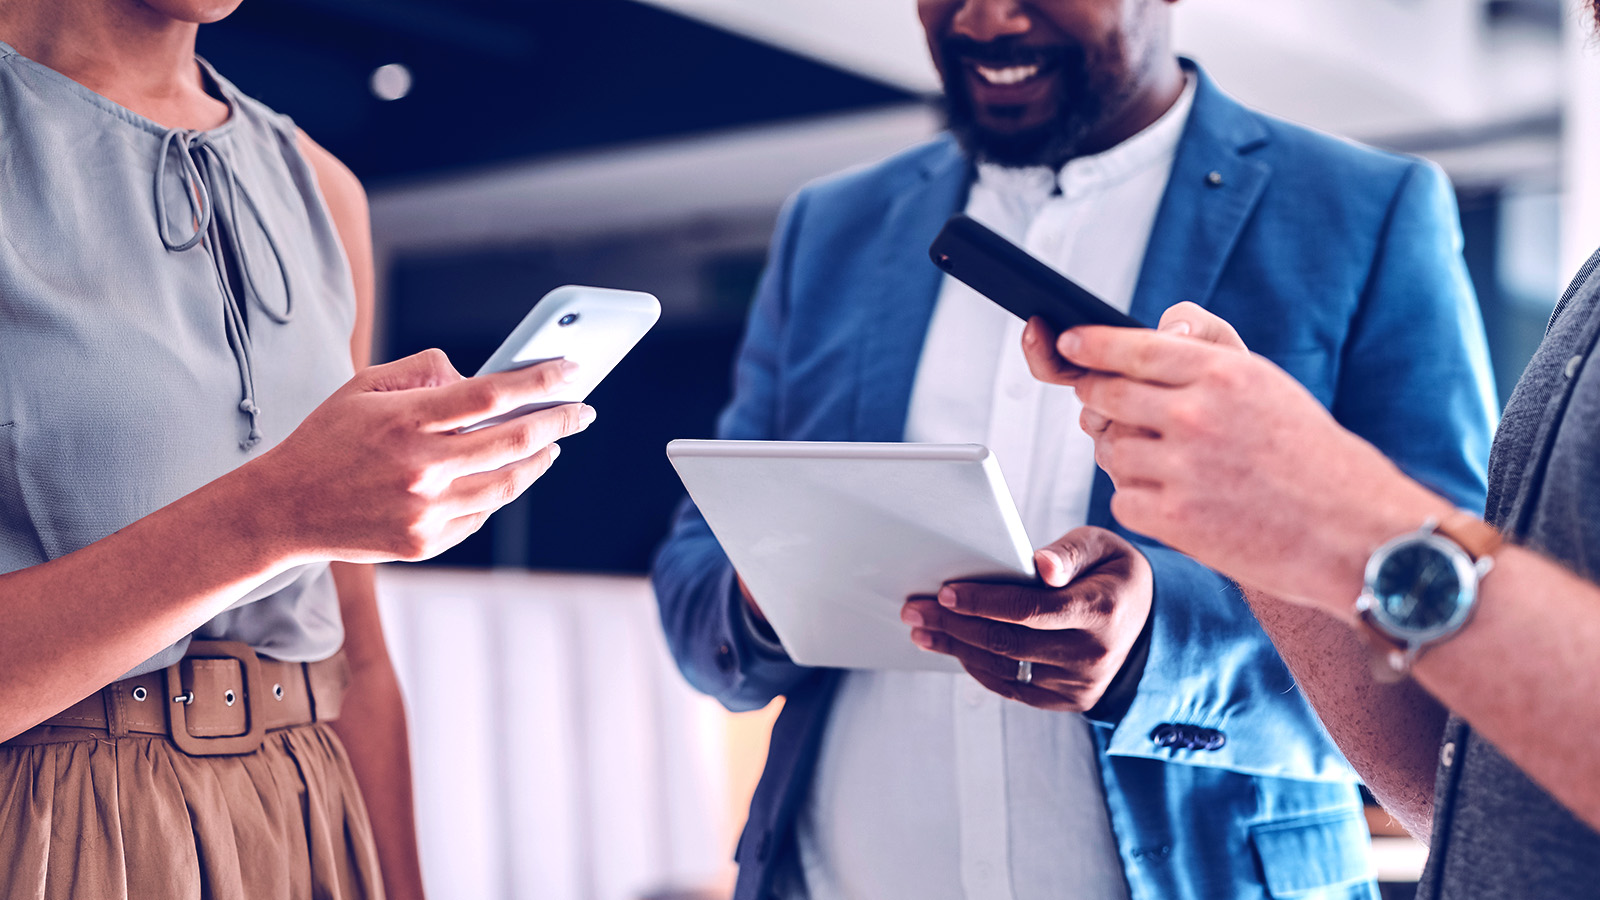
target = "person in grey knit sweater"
x: 1455, y: 659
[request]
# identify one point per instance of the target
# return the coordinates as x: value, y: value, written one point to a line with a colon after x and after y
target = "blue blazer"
x: 1340, y: 263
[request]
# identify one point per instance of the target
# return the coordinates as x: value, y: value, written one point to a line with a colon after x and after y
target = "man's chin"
x: 1019, y: 149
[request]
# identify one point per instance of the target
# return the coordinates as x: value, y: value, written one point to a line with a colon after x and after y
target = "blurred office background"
x: 511, y: 146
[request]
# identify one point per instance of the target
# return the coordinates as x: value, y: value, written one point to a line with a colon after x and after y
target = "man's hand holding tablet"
x: 1079, y: 638
x: 1076, y: 629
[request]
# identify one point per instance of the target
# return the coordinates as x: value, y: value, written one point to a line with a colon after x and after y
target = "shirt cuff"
x: 761, y: 634
x: 1114, y: 703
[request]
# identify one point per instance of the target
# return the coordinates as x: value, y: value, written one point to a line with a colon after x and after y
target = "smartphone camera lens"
x: 944, y: 262
x: 568, y: 319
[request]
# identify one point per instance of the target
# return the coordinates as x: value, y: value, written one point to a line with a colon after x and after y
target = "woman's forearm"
x: 380, y: 471
x: 372, y: 726
x: 81, y: 621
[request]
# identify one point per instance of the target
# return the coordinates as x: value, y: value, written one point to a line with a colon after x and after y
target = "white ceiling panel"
x: 879, y: 39
x: 1364, y: 68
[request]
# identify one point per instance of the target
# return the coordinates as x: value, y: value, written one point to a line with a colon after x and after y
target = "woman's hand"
x: 381, y: 471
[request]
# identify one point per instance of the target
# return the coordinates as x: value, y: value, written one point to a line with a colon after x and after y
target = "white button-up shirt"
x: 928, y: 785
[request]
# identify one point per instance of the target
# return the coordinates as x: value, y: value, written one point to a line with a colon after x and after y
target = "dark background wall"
x: 502, y: 80
x: 509, y: 81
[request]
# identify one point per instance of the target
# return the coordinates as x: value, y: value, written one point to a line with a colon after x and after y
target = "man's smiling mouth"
x: 1007, y: 75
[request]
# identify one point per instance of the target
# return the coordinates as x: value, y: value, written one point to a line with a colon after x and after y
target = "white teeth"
x: 1009, y: 75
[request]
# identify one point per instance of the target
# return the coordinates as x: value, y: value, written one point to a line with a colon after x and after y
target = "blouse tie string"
x: 205, y: 174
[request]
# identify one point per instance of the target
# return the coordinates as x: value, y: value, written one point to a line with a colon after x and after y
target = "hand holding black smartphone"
x: 1016, y: 280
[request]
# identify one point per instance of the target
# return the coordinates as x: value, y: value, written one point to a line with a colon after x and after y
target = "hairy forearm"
x: 75, y: 624
x: 1389, y: 733
x: 1525, y: 673
x: 372, y: 726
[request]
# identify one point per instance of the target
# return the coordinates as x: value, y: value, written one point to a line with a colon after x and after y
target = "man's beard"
x: 1082, y: 102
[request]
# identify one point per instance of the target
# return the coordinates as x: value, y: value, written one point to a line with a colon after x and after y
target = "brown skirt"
x: 87, y: 818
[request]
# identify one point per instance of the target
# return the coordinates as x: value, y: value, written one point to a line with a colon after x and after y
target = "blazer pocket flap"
x: 1300, y: 858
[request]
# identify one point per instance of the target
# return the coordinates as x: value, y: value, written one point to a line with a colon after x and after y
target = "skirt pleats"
x: 135, y: 817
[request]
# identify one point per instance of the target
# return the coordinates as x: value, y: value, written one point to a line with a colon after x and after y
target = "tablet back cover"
x: 832, y: 538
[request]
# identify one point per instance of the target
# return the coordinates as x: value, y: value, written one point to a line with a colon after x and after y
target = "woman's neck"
x: 121, y: 49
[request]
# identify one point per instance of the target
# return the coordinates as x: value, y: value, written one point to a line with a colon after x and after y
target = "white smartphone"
x: 591, y: 326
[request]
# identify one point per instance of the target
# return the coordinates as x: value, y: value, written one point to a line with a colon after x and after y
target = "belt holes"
x: 277, y: 692
x: 228, y: 698
x: 139, y: 693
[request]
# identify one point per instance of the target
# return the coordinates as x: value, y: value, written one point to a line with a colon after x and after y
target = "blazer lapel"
x: 1214, y: 187
x: 900, y: 293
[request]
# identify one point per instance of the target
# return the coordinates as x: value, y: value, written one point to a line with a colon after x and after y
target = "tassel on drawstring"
x: 249, y: 408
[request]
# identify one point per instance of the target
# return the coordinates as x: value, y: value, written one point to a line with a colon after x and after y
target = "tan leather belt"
x: 221, y: 699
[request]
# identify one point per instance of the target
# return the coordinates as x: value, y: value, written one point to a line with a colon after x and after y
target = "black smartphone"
x: 1016, y: 280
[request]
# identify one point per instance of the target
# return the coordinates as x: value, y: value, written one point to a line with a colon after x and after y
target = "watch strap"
x: 1478, y: 538
x: 1391, y: 659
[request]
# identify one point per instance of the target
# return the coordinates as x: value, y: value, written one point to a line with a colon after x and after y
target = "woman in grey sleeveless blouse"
x: 192, y: 472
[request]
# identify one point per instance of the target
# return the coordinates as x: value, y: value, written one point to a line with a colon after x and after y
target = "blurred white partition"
x: 558, y: 753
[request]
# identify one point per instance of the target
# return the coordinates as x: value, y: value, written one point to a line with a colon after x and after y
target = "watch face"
x: 1418, y: 588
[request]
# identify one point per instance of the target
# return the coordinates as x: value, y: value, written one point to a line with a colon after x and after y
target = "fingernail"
x: 569, y: 371
x: 912, y: 616
x: 1178, y: 327
x: 923, y: 639
x: 555, y: 451
x: 1054, y: 558
x: 947, y: 597
x: 586, y: 416
x: 1068, y: 343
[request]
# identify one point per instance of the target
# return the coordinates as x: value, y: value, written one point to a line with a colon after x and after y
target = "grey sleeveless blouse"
x: 172, y: 304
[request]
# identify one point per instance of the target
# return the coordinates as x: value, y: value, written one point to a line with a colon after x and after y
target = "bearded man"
x: 1125, y: 728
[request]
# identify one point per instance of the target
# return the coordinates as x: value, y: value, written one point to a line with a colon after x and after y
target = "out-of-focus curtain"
x: 558, y: 753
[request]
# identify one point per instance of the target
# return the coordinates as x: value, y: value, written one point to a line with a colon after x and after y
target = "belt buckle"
x: 177, y: 706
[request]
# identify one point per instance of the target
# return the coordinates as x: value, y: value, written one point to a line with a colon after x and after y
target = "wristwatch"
x: 1421, y: 589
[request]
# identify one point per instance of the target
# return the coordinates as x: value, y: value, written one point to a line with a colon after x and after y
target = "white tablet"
x: 831, y: 538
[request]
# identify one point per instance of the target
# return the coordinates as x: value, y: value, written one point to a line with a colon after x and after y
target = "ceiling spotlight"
x: 390, y: 82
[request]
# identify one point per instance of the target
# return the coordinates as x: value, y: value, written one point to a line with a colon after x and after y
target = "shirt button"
x: 974, y: 697
x: 1573, y: 365
x: 984, y: 871
x: 1447, y: 754
x: 1016, y: 390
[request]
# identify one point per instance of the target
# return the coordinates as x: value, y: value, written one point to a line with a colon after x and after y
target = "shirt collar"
x: 1156, y: 144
